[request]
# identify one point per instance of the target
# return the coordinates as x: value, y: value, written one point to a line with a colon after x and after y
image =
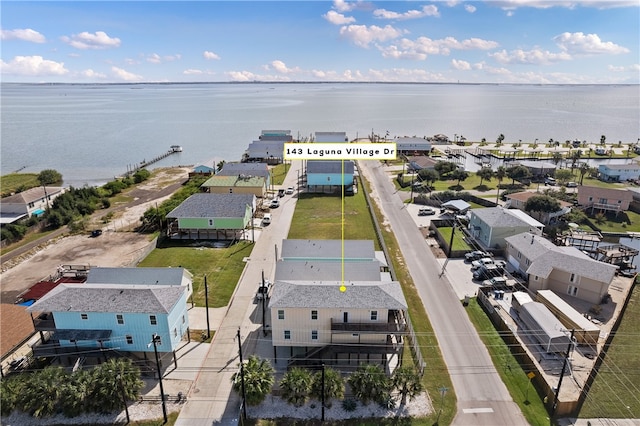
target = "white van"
x: 266, y: 219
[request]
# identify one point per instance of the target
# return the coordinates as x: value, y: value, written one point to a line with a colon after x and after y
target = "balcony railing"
x: 368, y: 327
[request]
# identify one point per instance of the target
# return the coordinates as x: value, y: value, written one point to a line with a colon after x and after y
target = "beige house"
x: 519, y: 199
x: 608, y: 199
x: 565, y: 270
x: 237, y: 184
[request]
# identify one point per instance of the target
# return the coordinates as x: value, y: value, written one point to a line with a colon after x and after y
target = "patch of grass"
x: 18, y: 181
x: 222, y: 267
x: 319, y: 216
x: 624, y: 222
x: 590, y: 181
x: 513, y: 376
x: 279, y: 172
x: 458, y: 240
x: 26, y: 240
x: 614, y: 393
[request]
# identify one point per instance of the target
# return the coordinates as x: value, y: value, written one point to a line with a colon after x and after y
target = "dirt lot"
x: 112, y: 248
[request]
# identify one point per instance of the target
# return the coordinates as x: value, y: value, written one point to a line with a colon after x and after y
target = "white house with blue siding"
x: 95, y: 318
x: 330, y: 176
x: 619, y: 172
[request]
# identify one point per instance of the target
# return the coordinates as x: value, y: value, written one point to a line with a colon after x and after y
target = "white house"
x: 490, y: 226
x: 619, y: 172
x: 34, y: 201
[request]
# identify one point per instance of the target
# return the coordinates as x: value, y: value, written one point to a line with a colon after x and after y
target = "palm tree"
x: 369, y: 383
x: 584, y: 169
x: 107, y: 380
x: 333, y: 386
x: 603, y: 139
x: 408, y: 382
x: 556, y: 157
x: 258, y: 380
x: 42, y: 394
x: 484, y: 173
x: 220, y: 165
x: 296, y: 386
x: 575, y: 156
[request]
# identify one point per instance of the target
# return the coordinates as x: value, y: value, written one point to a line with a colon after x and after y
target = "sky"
x: 507, y: 41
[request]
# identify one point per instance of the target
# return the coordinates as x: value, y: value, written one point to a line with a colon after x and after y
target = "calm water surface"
x: 91, y: 133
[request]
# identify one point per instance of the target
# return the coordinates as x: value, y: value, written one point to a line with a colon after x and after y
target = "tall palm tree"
x: 259, y: 377
x: 296, y: 386
x: 584, y: 169
x: 575, y: 156
x: 42, y: 394
x: 408, y: 383
x: 333, y: 386
x: 556, y: 157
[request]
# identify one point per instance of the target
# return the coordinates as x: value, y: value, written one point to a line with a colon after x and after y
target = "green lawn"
x: 14, y: 181
x: 222, y: 267
x: 458, y: 241
x: 319, y: 216
x: 279, y: 172
x: 614, y: 393
x: 513, y: 376
x: 624, y: 222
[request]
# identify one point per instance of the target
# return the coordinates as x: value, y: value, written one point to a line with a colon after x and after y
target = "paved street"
x: 483, y: 398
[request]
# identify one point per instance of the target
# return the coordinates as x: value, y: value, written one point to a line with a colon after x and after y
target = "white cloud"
x: 362, y: 36
x: 210, y: 55
x: 26, y: 34
x: 338, y: 18
x: 32, y: 66
x: 630, y: 68
x: 121, y: 74
x: 86, y: 40
x: 281, y: 67
x: 191, y: 71
x: 460, y: 65
x: 241, y: 75
x: 534, y: 57
x: 569, y: 4
x: 154, y: 58
x: 421, y: 47
x: 89, y: 73
x: 580, y: 43
x: 469, y: 8
x: 429, y: 10
x: 343, y: 6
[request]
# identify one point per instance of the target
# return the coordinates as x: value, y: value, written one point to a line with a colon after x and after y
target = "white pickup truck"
x: 263, y: 290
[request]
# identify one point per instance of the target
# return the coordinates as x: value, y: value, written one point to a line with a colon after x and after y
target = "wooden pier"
x: 144, y: 163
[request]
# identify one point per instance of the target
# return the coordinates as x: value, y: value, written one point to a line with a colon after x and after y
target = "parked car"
x: 266, y: 219
x: 280, y: 193
x: 289, y: 190
x: 496, y: 282
x: 263, y: 290
x: 475, y: 255
x: 487, y: 272
x: 572, y: 184
x: 550, y: 181
x: 501, y: 264
x: 482, y: 262
x: 426, y: 211
x: 96, y: 233
x: 274, y: 204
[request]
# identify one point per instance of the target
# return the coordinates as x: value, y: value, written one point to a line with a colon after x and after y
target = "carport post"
x: 564, y: 366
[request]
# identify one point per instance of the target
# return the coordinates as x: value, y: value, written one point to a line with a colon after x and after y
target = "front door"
x: 345, y: 317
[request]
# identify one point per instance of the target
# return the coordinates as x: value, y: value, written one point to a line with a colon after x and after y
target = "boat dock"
x: 144, y: 163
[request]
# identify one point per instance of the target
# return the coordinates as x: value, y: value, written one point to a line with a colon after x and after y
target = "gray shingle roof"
x: 293, y: 270
x: 213, y: 206
x: 109, y: 298
x: 254, y: 169
x: 327, y: 294
x: 144, y: 276
x: 505, y: 218
x: 329, y: 166
x: 327, y: 249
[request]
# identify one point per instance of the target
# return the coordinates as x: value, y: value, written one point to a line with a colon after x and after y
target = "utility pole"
x: 564, y: 366
x: 322, y: 392
x: 244, y: 393
x: 264, y: 298
x: 206, y: 304
x: 124, y: 398
x: 155, y: 339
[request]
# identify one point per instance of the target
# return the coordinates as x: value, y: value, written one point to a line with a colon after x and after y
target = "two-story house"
x: 211, y: 216
x: 518, y: 201
x: 412, y: 146
x: 604, y: 199
x: 247, y: 169
x: 179, y: 277
x: 330, y: 176
x: 490, y: 226
x: 32, y: 202
x: 619, y: 172
x: 564, y: 270
x: 236, y: 184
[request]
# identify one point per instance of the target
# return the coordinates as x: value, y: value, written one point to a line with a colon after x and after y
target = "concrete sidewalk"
x: 211, y: 399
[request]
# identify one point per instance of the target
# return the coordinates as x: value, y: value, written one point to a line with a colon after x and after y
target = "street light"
x: 155, y: 339
x: 443, y: 391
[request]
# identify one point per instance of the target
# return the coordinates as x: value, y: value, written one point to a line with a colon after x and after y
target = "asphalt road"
x: 483, y: 399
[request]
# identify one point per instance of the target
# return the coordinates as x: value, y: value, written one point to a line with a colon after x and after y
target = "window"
x: 280, y: 314
x: 120, y: 319
x: 314, y: 334
x: 314, y: 315
x: 374, y: 315
x: 72, y: 340
x: 287, y: 335
x: 572, y: 290
x: 84, y: 316
x: 129, y: 339
x: 526, y: 261
x: 573, y: 278
x: 153, y: 320
x: 590, y: 198
x: 175, y: 332
x: 519, y: 255
x: 210, y: 222
x: 183, y: 320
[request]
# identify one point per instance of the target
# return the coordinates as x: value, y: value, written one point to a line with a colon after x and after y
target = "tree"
x: 258, y: 380
x: 517, y: 173
x: 428, y: 175
x: 458, y: 175
x: 445, y: 167
x: 42, y: 394
x: 584, y: 169
x: 500, y: 139
x: 557, y: 157
x: 603, y: 140
x: 484, y: 173
x: 141, y: 175
x: 220, y: 165
x: 542, y: 204
x: 49, y: 177
x: 408, y: 383
x: 296, y: 386
x: 500, y: 174
x: 333, y: 386
x: 575, y: 156
x: 563, y: 175
x: 369, y: 383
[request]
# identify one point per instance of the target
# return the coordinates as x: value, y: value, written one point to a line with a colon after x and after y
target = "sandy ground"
x: 115, y: 247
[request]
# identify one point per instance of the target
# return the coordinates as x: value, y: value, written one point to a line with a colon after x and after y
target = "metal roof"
x: 505, y: 218
x: 319, y: 270
x: 213, y: 205
x: 136, y: 276
x: 329, y: 166
x: 327, y: 249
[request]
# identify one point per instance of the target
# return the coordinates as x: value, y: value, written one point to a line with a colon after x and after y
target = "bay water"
x: 92, y: 133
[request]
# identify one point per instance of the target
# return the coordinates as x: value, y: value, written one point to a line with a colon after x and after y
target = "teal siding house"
x: 95, y: 319
x: 207, y: 216
x: 330, y: 176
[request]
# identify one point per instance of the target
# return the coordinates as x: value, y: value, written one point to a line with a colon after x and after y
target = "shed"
x: 458, y: 206
x: 585, y: 331
x: 543, y: 327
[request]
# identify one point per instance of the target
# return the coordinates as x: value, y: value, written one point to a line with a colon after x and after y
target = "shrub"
x: 349, y: 405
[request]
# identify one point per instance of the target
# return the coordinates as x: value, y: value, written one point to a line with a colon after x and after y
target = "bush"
x: 349, y: 405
